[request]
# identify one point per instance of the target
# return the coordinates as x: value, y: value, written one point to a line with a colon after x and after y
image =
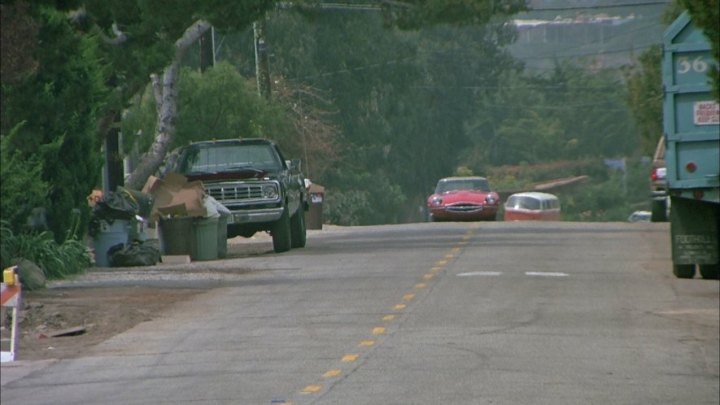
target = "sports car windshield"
x: 464, y: 184
x: 225, y: 158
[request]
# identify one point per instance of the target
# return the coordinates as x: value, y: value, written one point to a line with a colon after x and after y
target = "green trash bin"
x: 205, y: 246
x: 222, y: 236
x: 176, y: 235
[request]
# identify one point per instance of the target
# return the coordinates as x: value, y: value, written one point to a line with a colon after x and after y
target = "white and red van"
x: 532, y: 206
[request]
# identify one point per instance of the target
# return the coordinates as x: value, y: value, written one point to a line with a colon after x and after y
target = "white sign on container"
x: 706, y: 113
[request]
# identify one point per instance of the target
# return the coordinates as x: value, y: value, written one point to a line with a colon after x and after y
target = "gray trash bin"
x: 110, y: 234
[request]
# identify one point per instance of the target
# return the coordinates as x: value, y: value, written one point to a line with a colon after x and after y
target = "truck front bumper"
x: 255, y: 216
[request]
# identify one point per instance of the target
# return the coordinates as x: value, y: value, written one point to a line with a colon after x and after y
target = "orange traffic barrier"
x: 10, y: 297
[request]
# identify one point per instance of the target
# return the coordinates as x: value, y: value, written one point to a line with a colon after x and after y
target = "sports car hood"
x: 457, y: 196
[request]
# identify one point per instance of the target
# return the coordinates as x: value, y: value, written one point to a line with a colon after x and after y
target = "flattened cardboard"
x: 174, y: 195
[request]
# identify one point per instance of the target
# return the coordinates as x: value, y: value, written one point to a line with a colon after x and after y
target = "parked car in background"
x: 532, y: 206
x: 658, y: 185
x: 463, y: 199
x: 639, y: 216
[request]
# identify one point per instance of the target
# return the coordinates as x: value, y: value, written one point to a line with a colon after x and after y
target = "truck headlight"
x: 270, y: 191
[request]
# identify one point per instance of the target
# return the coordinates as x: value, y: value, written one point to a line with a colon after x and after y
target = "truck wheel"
x: 710, y: 271
x: 298, y: 230
x: 281, y: 233
x: 684, y: 270
x: 659, y: 211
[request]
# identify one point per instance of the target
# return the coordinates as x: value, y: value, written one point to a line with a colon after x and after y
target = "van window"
x: 526, y: 203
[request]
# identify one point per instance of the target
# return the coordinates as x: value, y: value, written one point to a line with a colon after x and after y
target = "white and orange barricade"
x: 10, y: 297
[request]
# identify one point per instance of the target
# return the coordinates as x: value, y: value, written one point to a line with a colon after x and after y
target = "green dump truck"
x: 691, y: 122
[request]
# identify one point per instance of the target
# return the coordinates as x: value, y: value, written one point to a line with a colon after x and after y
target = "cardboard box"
x: 175, y: 196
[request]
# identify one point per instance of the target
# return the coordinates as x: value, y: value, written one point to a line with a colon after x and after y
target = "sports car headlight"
x: 490, y: 199
x: 436, y: 201
x: 270, y: 191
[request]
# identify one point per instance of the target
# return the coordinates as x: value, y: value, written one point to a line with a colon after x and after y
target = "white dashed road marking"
x: 480, y: 273
x: 545, y: 274
x: 527, y: 273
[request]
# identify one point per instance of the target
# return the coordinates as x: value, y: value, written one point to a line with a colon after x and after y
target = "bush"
x: 58, y: 261
x: 20, y: 182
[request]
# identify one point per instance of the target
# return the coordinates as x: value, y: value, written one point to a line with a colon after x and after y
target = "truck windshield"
x: 221, y: 158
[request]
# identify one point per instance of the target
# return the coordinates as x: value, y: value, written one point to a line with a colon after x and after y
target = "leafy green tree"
x: 706, y: 14
x: 21, y: 183
x: 218, y: 104
x: 645, y: 95
x: 58, y: 104
x: 645, y: 91
x: 570, y: 114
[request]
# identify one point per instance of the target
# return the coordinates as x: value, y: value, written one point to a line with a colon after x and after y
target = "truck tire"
x: 281, y: 233
x: 684, y: 270
x: 658, y: 211
x: 710, y: 271
x: 298, y: 229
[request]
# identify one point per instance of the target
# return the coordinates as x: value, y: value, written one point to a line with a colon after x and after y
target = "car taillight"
x: 658, y: 173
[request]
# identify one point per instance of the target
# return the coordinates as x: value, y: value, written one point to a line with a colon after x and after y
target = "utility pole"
x: 262, y: 70
x: 207, y: 50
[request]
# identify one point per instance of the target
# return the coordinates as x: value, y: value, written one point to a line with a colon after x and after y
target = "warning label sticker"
x: 706, y: 113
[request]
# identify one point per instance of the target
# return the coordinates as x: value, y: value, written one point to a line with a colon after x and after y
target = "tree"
x: 645, y: 95
x: 165, y: 96
x: 706, y: 14
x: 645, y: 91
x: 49, y: 115
x: 408, y: 14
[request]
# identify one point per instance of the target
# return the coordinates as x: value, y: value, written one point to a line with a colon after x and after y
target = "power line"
x: 602, y: 6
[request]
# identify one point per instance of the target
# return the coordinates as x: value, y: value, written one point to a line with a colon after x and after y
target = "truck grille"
x: 226, y: 193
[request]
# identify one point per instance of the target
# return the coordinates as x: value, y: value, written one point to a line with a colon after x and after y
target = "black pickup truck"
x: 250, y: 177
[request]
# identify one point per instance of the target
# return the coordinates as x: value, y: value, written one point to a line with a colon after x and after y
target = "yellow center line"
x: 349, y: 358
x: 332, y: 373
x: 312, y: 389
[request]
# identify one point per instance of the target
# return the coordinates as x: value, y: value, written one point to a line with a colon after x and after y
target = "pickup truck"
x: 250, y: 177
x: 658, y: 185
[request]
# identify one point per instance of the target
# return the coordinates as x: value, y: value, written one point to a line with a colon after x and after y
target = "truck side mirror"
x: 295, y: 165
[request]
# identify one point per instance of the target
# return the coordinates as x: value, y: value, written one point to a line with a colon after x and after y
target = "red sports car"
x: 463, y: 199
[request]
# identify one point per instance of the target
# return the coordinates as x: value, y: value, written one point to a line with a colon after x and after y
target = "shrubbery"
x: 56, y: 260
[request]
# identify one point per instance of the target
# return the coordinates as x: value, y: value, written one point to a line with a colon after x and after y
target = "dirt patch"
x: 89, y: 315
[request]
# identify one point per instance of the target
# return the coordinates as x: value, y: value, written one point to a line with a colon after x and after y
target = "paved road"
x: 457, y: 313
